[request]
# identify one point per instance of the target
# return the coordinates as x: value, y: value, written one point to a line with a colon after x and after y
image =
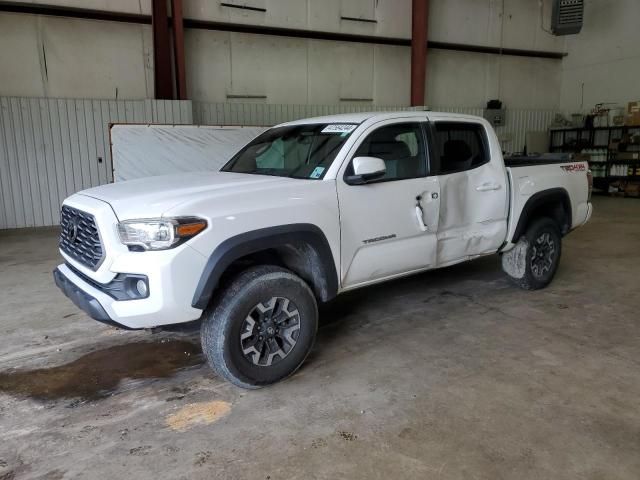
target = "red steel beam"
x: 178, y: 49
x: 161, y: 50
x: 419, y: 22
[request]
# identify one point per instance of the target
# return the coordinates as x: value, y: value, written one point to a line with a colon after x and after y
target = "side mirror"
x: 366, y: 169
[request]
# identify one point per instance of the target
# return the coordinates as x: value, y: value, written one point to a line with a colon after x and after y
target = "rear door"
x: 473, y: 189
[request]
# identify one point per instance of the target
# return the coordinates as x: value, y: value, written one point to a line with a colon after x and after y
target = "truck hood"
x: 153, y: 196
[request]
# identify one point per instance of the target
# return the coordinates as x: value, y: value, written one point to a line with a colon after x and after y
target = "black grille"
x: 567, y: 17
x: 79, y: 237
x: 570, y: 11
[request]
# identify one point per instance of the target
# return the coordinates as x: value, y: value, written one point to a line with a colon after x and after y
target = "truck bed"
x: 531, y: 176
x: 533, y: 160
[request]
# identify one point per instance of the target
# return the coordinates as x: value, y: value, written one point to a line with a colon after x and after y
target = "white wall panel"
x: 51, y: 148
x: 20, y: 56
x: 208, y: 64
x: 74, y: 58
x: 393, y: 16
x: 356, y: 70
x: 603, y: 64
x: 298, y: 71
x: 340, y: 71
x: 282, y: 13
x: 96, y: 59
x: 391, y: 75
x: 128, y: 6
x: 463, y: 78
x: 482, y: 22
x: 272, y: 66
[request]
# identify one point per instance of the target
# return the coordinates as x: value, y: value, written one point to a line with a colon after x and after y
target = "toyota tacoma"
x: 306, y: 211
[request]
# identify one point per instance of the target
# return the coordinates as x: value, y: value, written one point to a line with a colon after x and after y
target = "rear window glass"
x: 459, y: 146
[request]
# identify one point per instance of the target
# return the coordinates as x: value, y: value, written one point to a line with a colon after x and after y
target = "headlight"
x: 159, y: 233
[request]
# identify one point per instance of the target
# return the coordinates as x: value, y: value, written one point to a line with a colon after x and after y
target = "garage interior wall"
x: 75, y: 58
x: 603, y: 61
x: 63, y: 80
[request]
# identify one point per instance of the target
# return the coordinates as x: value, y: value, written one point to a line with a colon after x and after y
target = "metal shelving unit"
x: 575, y: 140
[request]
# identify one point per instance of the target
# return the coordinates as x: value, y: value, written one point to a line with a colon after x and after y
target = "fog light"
x: 141, y: 287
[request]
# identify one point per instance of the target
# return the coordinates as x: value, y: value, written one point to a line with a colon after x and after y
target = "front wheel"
x: 261, y: 328
x: 533, y: 262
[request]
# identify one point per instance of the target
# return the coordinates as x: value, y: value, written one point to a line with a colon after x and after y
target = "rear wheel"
x: 533, y: 262
x: 261, y: 328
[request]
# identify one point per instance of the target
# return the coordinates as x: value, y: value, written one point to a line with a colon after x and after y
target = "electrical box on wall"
x: 495, y: 116
x: 567, y: 16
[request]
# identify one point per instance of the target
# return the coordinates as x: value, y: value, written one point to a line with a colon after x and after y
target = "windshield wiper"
x: 269, y: 171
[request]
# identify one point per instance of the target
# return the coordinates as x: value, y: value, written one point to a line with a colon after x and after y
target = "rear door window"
x: 459, y: 146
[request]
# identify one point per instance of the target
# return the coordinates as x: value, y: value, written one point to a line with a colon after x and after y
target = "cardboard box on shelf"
x: 632, y: 190
x: 627, y: 156
x: 633, y: 107
x: 632, y: 119
x: 615, y: 187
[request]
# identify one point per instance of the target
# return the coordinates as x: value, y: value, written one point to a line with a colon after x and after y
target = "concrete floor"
x: 453, y: 374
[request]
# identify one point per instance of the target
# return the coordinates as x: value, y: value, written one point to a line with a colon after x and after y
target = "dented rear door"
x: 473, y: 188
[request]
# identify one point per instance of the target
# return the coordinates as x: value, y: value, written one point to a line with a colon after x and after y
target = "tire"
x: 533, y: 262
x: 262, y: 305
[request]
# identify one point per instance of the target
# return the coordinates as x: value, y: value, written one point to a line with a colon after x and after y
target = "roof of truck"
x: 360, y: 117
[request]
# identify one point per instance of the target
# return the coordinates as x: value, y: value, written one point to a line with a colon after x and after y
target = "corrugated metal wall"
x: 263, y: 114
x: 51, y: 148
x: 512, y: 134
x: 519, y: 122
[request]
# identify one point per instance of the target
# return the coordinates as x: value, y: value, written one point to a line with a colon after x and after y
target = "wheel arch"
x: 302, y: 248
x: 554, y: 203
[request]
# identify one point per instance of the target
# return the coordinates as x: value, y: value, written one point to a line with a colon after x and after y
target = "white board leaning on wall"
x: 140, y: 151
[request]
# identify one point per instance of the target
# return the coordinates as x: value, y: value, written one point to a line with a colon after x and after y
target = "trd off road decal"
x: 574, y: 167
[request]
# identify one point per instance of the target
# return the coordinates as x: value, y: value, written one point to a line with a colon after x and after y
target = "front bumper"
x: 168, y: 302
x: 85, y: 302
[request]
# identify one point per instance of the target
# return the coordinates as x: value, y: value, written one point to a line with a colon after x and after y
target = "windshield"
x: 297, y: 151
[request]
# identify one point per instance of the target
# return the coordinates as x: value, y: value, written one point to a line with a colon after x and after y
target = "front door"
x: 389, y: 226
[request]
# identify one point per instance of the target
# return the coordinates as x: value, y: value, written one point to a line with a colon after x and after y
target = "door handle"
x: 419, y: 214
x: 486, y: 187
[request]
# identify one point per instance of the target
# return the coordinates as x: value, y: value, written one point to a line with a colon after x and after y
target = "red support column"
x: 161, y: 50
x: 419, y: 22
x: 178, y: 49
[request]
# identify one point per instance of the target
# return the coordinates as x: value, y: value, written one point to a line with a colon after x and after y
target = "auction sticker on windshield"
x: 339, y: 128
x: 317, y: 172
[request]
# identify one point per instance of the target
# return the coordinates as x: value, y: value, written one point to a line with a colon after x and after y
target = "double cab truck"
x: 306, y: 211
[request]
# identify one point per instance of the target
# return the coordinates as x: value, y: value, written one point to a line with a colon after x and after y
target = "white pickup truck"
x: 307, y: 210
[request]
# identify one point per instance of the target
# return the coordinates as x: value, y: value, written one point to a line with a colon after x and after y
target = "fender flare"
x: 254, y: 241
x: 539, y: 199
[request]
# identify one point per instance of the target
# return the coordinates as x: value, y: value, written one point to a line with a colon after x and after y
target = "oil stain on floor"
x: 97, y: 374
